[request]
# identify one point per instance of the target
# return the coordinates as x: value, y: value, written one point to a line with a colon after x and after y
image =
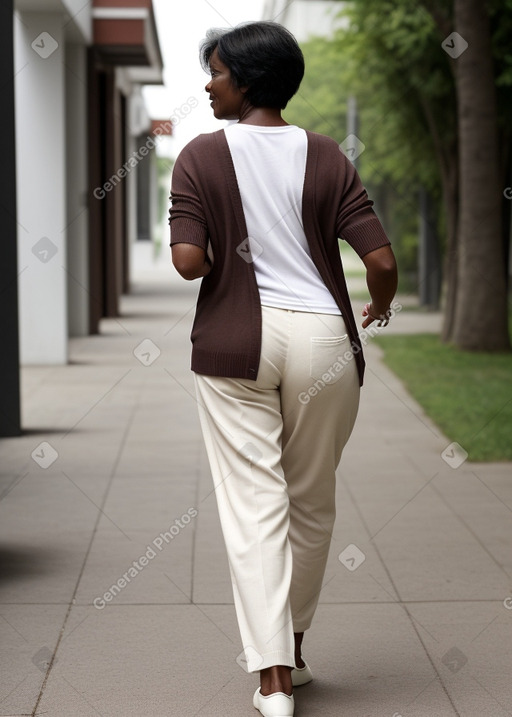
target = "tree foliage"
x: 320, y: 104
x: 389, y: 55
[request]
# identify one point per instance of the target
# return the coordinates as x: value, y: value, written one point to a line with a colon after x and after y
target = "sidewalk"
x: 109, y: 486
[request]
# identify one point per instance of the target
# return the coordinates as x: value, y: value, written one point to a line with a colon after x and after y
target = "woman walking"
x: 257, y: 209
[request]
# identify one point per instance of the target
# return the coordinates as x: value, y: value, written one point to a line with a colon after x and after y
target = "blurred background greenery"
x: 434, y: 111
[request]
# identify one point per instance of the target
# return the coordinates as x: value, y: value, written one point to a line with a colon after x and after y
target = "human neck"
x: 262, y: 116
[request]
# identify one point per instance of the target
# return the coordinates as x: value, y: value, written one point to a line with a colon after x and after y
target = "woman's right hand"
x: 383, y: 319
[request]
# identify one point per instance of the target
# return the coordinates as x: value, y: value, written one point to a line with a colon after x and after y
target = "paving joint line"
x: 84, y: 562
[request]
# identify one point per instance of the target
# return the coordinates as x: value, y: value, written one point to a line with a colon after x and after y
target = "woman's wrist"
x: 378, y: 316
x: 381, y: 318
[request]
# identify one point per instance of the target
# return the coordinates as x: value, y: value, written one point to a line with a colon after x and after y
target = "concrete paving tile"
x: 162, y: 527
x: 148, y: 457
x: 81, y: 450
x: 352, y: 580
x: 357, y: 654
x: 89, y: 486
x: 165, y: 423
x: 427, y: 460
x: 494, y: 481
x: 160, y: 499
x: 212, y: 580
x: 43, y: 573
x: 357, y: 467
x: 32, y: 376
x: 16, y: 455
x: 368, y: 660
x: 46, y: 526
x: 498, y: 473
x: 484, y: 506
x: 9, y: 481
x: 469, y: 643
x: 369, y: 583
x: 170, y: 433
x: 145, y: 661
x: 61, y: 406
x: 156, y: 560
x: 28, y: 636
x: 51, y: 495
x: 386, y: 393
x: 106, y: 425
x: 432, y: 555
x: 382, y: 492
x: 132, y: 660
x: 86, y: 455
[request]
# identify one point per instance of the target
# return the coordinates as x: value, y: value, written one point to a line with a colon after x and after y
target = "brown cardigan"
x: 206, y: 205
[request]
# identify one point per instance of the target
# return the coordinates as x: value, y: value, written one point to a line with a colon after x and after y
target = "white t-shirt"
x: 270, y: 163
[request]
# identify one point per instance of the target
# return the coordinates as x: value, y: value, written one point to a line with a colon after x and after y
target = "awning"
x: 124, y: 33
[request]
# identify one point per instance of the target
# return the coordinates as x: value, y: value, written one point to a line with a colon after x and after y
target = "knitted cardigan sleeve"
x: 357, y: 223
x: 186, y: 215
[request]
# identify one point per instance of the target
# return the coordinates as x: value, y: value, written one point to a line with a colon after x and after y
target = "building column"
x: 113, y: 238
x: 77, y: 188
x: 41, y: 182
x: 144, y: 192
x: 10, y: 422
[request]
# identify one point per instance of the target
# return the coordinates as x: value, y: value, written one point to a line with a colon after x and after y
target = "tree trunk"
x: 480, y: 321
x: 450, y: 182
x: 447, y: 159
x: 506, y: 217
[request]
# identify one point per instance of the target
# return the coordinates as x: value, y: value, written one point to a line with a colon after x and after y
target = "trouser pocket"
x: 327, y: 359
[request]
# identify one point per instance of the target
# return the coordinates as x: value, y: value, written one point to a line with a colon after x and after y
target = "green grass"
x: 468, y: 395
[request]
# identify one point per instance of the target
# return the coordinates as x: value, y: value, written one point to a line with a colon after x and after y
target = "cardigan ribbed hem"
x: 217, y: 363
x: 367, y: 236
x: 189, y: 231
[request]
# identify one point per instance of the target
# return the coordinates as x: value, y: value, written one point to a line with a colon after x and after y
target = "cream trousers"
x: 273, y: 446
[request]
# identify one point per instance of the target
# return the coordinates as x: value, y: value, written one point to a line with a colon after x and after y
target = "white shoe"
x: 275, y: 705
x: 301, y: 675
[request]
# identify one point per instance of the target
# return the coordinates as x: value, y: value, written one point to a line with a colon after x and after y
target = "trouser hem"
x: 269, y: 659
x: 301, y: 628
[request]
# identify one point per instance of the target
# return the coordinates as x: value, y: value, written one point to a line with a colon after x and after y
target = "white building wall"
x: 52, y: 183
x: 41, y: 185
x: 81, y: 27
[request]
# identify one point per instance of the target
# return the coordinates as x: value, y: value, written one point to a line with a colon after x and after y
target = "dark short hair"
x: 263, y: 56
